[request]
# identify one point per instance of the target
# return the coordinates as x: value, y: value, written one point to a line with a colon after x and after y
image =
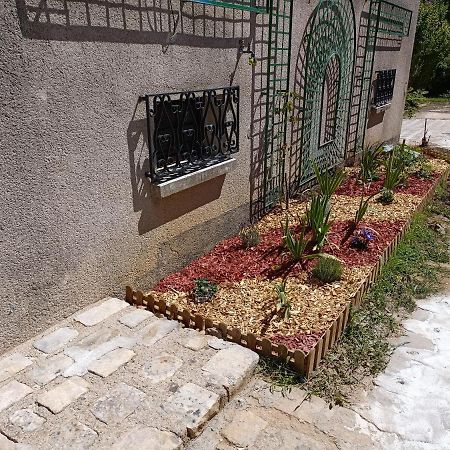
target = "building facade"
x: 135, y: 135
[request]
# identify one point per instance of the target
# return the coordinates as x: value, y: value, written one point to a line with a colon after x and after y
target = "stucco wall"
x: 78, y: 221
x: 393, y: 54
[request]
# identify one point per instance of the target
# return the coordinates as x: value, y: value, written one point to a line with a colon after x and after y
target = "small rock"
x: 101, y: 312
x: 136, y: 317
x: 27, y: 420
x: 13, y: 392
x: 149, y: 439
x: 118, y: 404
x: 194, y: 342
x: 244, y: 428
x: 73, y: 436
x: 157, y: 330
x: 50, y: 368
x: 193, y: 405
x: 55, y: 341
x: 218, y: 344
x: 231, y: 366
x: 13, y: 364
x: 110, y: 362
x: 161, y: 367
x: 64, y: 394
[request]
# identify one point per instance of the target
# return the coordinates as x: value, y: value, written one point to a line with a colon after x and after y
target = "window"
x: 188, y: 131
x: 384, y: 87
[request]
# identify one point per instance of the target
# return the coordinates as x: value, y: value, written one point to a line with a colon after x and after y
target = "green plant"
x: 423, y: 169
x: 386, y: 196
x: 414, y: 99
x: 317, y: 216
x: 370, y: 162
x: 296, y: 244
x: 362, y: 210
x: 204, y: 290
x: 249, y: 236
x: 328, y: 269
x: 284, y: 304
x: 394, y: 175
x: 328, y: 183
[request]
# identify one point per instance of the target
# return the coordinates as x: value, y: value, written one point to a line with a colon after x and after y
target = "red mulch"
x: 229, y: 261
x: 418, y: 186
x: 415, y: 186
x: 353, y: 257
x: 304, y: 342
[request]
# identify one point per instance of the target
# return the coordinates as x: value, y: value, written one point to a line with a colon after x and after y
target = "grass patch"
x: 364, y: 349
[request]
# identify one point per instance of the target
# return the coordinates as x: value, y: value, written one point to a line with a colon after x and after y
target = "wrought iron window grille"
x: 191, y: 130
x: 384, y: 87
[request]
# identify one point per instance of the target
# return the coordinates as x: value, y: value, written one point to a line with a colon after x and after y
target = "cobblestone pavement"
x: 113, y: 376
x: 407, y: 409
x: 438, y: 125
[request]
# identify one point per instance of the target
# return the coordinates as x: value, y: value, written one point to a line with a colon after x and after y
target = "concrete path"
x: 407, y: 409
x: 438, y: 126
x: 113, y: 376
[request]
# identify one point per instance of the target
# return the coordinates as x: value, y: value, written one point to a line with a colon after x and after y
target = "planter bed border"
x: 303, y: 363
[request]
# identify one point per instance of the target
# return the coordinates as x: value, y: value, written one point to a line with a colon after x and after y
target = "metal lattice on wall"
x: 327, y: 76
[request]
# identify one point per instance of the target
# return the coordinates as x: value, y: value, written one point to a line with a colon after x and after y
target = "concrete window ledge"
x: 382, y: 108
x: 171, y: 187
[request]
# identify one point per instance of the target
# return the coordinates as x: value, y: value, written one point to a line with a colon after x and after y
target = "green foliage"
x: 386, y: 196
x: 204, y: 289
x: 328, y: 183
x: 430, y: 65
x: 422, y: 168
x: 250, y: 236
x: 328, y: 269
x: 317, y: 216
x: 362, y: 210
x: 296, y: 244
x: 371, y: 158
x: 284, y: 304
x: 414, y: 99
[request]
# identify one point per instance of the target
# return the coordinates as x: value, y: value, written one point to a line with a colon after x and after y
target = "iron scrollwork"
x: 191, y: 130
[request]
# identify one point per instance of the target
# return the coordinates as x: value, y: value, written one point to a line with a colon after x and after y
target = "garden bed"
x: 244, y: 307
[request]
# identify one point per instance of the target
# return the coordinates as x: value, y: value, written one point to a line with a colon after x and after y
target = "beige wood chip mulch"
x: 344, y: 208
x: 249, y: 304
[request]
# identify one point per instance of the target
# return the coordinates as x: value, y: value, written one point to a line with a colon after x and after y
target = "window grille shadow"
x: 162, y: 22
x: 155, y: 211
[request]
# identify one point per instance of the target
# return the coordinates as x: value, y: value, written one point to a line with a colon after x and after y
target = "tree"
x: 430, y: 65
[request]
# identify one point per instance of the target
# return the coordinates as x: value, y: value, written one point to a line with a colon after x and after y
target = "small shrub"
x: 317, y: 216
x: 328, y: 269
x: 423, y: 169
x: 386, y: 196
x: 204, y: 290
x: 328, y: 183
x: 361, y: 238
x: 249, y: 236
x: 414, y: 98
x: 284, y: 304
x: 371, y: 158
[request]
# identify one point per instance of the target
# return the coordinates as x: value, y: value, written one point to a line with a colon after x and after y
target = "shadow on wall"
x: 155, y: 211
x: 162, y: 22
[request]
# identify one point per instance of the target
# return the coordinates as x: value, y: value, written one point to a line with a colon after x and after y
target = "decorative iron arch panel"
x: 331, y: 39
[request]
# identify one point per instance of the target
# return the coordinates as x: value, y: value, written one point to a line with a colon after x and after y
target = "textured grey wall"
x: 77, y: 221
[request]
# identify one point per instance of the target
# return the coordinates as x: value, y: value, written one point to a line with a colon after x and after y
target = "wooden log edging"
x: 303, y: 363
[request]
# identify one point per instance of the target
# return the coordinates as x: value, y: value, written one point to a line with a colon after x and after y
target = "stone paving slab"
x: 64, y: 394
x: 129, y: 371
x: 13, y: 364
x: 101, y: 312
x: 12, y: 393
x: 55, y: 341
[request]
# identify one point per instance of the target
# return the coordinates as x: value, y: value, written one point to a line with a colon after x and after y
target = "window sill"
x: 184, y: 182
x: 381, y: 108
